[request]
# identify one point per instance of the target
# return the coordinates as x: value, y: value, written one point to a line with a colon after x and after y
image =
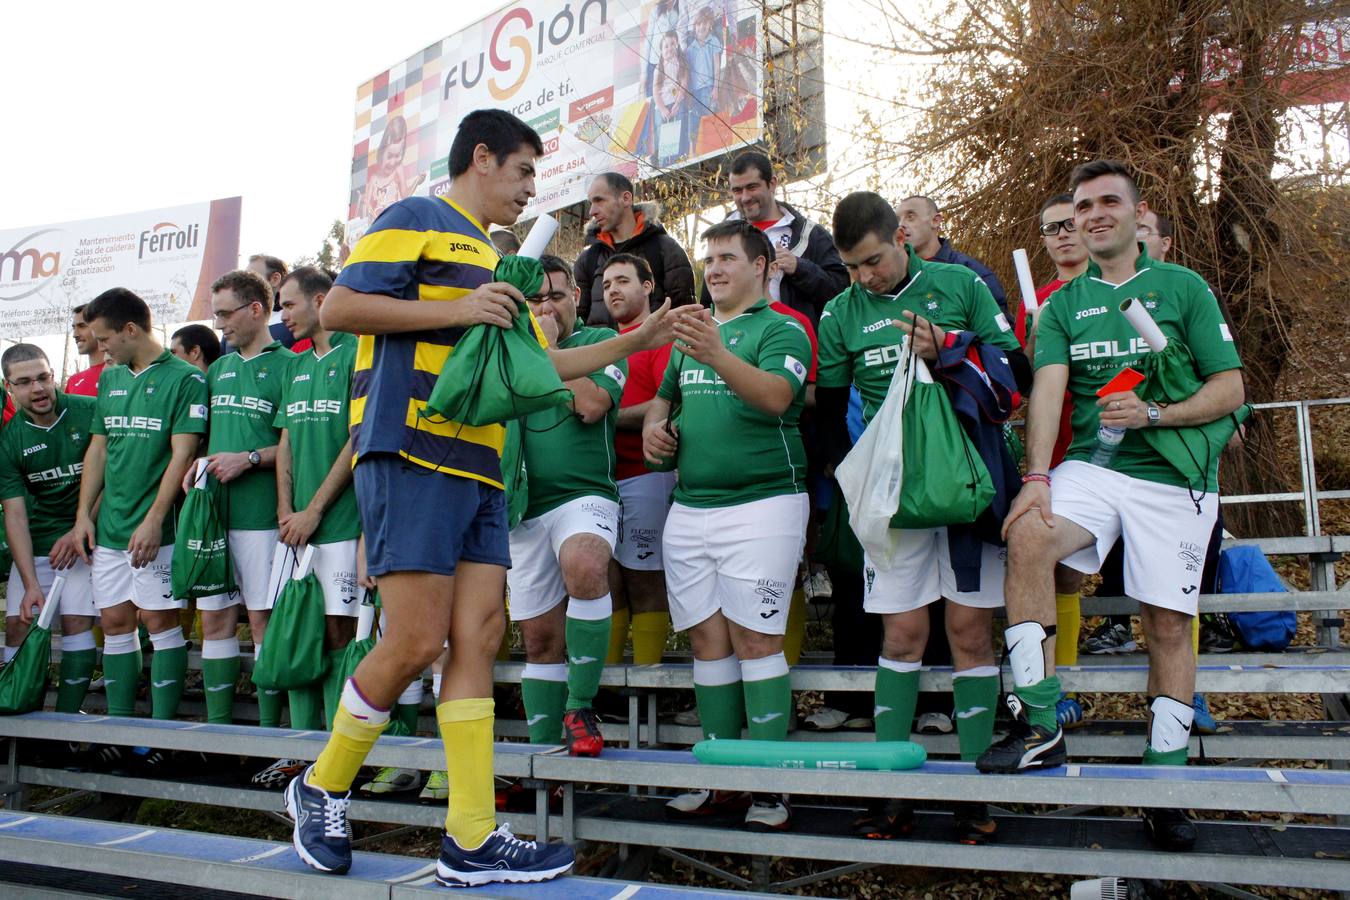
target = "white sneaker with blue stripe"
x: 322, y: 835
x: 501, y: 857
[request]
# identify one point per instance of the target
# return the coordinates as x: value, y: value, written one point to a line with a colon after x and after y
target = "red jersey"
x: 1065, y: 437
x: 806, y: 326
x: 645, y: 370
x: 85, y: 383
x: 301, y: 346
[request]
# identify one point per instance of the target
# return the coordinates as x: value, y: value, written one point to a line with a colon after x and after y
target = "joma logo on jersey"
x: 34, y: 449
x: 56, y: 473
x: 1106, y: 349
x: 251, y: 403
x: 300, y: 407
x: 139, y: 423
x: 299, y: 378
x: 882, y: 356
x: 1089, y: 313
x: 877, y: 326
x: 117, y: 393
x: 197, y: 545
x: 698, y: 376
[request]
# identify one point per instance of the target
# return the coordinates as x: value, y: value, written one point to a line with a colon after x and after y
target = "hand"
x: 698, y: 337
x: 64, y: 552
x: 83, y: 536
x: 145, y: 540
x: 295, y: 530
x: 1033, y: 495
x: 494, y: 303
x: 190, y: 476
x: 656, y: 331
x: 30, y: 607
x: 1123, y: 410
x: 925, y: 337
x: 363, y: 578
x: 549, y: 327
x: 786, y: 261
x: 228, y: 466
x: 660, y: 441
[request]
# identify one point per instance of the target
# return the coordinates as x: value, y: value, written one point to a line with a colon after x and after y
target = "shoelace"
x: 335, y: 816
x: 514, y: 844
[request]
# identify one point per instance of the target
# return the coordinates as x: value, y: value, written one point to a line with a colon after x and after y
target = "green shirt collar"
x: 58, y: 407
x: 1141, y: 262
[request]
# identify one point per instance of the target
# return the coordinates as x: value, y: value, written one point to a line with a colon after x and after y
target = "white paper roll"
x: 365, y: 621
x: 1143, y: 323
x: 53, y: 604
x: 536, y: 242
x: 1023, y: 267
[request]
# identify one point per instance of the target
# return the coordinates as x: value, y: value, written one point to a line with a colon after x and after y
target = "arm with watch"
x: 229, y: 466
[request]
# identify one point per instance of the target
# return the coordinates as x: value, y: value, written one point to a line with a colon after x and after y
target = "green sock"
x: 587, y: 647
x: 1175, y: 757
x: 545, y: 700
x: 307, y: 707
x: 72, y: 681
x: 402, y: 720
x: 976, y: 697
x: 270, y: 703
x: 121, y: 672
x: 168, y: 668
x: 333, y: 683
x: 219, y: 677
x: 721, y: 709
x: 897, y: 693
x: 1039, y: 700
x: 768, y: 706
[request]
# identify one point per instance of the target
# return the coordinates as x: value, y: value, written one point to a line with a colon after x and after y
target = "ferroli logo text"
x: 166, y: 236
x: 28, y: 262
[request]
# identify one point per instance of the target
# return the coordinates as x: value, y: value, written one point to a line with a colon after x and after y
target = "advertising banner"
x: 636, y: 87
x: 168, y: 257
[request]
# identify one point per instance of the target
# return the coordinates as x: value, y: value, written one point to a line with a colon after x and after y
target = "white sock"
x: 360, y: 707
x: 221, y: 648
x: 74, y: 642
x: 899, y: 665
x: 117, y: 644
x: 717, y: 672
x: 545, y: 671
x: 590, y: 610
x: 169, y: 640
x: 764, y: 668
x: 412, y: 694
x: 436, y: 686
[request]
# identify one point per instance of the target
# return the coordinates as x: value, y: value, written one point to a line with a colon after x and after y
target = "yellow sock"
x: 1195, y: 635
x: 796, y: 627
x: 649, y: 637
x: 618, y: 635
x: 1068, y: 615
x: 466, y: 731
x: 346, y: 752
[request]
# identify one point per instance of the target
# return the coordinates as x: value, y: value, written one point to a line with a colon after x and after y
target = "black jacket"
x: 949, y: 254
x: 670, y: 266
x: 820, y: 274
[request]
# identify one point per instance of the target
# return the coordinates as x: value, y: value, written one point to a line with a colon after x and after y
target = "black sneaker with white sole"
x: 1026, y: 746
x: 1170, y: 829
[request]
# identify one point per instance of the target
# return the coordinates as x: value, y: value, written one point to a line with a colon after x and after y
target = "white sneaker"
x: 688, y: 717
x: 696, y: 804
x: 769, y: 812
x: 392, y: 780
x: 818, y: 585
x: 860, y: 723
x: 935, y: 723
x: 826, y: 718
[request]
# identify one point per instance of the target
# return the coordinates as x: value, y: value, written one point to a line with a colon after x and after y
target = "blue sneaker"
x: 1202, y: 722
x: 501, y: 857
x: 322, y: 836
x: 1068, y: 712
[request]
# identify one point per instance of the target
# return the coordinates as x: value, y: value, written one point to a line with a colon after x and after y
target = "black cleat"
x: 885, y: 821
x: 1170, y: 829
x: 974, y: 825
x: 1025, y: 746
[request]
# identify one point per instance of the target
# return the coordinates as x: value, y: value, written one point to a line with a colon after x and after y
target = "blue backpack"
x: 1245, y: 570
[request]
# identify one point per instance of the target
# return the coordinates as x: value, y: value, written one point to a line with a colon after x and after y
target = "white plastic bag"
x: 871, y: 474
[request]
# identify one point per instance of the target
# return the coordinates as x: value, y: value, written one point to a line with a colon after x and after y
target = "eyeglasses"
x: 44, y: 378
x: 1143, y: 231
x: 222, y: 314
x: 1050, y: 229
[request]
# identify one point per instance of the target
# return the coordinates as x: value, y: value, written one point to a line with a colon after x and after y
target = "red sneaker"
x: 582, y: 730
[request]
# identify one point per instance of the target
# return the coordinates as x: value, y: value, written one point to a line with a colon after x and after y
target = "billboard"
x: 168, y: 257
x: 610, y: 85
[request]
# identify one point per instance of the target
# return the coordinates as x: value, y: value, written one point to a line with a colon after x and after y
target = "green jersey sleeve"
x: 670, y: 381
x: 188, y: 415
x: 833, y: 367
x: 612, y: 377
x: 11, y: 482
x: 1208, y: 336
x: 986, y: 319
x: 786, y: 351
x: 1052, y: 340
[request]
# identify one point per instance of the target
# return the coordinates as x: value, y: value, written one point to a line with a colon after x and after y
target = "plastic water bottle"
x: 1108, y: 442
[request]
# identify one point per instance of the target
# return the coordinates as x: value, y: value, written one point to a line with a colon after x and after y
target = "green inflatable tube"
x: 883, y: 756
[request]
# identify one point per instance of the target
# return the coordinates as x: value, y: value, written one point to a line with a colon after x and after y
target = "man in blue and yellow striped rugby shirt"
x: 430, y: 496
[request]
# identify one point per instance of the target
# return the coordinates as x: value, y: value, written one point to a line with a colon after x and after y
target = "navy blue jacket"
x: 949, y: 254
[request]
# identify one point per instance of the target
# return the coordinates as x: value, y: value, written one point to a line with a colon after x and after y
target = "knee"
x: 905, y: 642
x: 480, y: 640
x: 542, y: 644
x: 1167, y: 628
x: 585, y: 563
x: 971, y: 642
x: 1029, y: 544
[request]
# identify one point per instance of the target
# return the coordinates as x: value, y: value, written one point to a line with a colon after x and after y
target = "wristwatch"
x: 1154, y: 415
x: 254, y: 458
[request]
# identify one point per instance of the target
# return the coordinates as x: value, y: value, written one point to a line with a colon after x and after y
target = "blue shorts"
x: 417, y: 520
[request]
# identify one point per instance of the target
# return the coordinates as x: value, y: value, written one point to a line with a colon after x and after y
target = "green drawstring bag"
x: 513, y: 474
x: 23, y: 683
x: 950, y: 485
x: 354, y: 652
x: 493, y: 374
x: 292, y: 654
x: 201, y: 555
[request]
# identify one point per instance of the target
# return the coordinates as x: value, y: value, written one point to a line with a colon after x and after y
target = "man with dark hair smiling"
x: 736, y: 531
x: 85, y: 381
x: 429, y: 492
x: 1105, y: 490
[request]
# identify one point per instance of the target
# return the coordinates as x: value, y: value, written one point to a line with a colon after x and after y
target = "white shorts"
x: 1165, y: 540
x: 251, y: 554
x: 335, y: 566
x: 77, y: 599
x: 535, y: 578
x: 115, y: 581
x: 739, y: 559
x: 922, y: 572
x: 644, y: 503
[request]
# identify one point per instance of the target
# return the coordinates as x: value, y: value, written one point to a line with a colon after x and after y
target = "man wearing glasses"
x: 246, y: 389
x: 1155, y: 233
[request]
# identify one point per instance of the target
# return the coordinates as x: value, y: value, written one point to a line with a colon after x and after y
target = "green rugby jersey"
x: 859, y: 345
x: 43, y: 465
x: 1085, y: 330
x: 564, y: 457
x: 314, y: 413
x: 245, y: 397
x: 138, y: 413
x: 731, y: 453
